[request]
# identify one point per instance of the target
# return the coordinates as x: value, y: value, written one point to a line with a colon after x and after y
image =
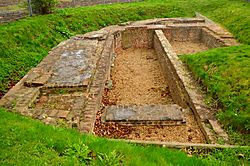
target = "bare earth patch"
x: 188, y: 47
x: 138, y: 79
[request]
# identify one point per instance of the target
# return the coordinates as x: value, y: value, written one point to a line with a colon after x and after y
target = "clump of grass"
x: 79, y: 152
x: 112, y: 159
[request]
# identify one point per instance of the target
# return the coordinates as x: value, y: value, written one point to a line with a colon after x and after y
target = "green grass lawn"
x: 24, y: 141
x: 224, y: 73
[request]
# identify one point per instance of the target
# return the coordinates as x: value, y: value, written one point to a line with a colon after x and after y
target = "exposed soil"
x: 188, y: 47
x: 138, y: 79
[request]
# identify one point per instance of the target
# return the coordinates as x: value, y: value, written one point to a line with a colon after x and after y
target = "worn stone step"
x: 171, y: 114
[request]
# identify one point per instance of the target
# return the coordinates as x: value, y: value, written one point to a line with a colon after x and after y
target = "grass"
x: 224, y: 73
x: 24, y: 141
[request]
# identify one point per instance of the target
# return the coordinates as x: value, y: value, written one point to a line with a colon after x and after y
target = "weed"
x: 61, y: 123
x: 64, y: 31
x: 233, y: 156
x: 80, y: 152
x: 13, y: 104
x: 61, y: 91
x: 112, y: 159
x: 141, y: 12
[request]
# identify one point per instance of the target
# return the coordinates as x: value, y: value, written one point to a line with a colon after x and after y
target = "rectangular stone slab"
x: 148, y: 114
x: 75, y: 64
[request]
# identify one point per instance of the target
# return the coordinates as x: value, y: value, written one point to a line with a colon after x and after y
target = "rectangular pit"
x: 191, y: 39
x: 138, y: 80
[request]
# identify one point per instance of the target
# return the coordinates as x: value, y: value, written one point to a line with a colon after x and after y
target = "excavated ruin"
x: 126, y: 81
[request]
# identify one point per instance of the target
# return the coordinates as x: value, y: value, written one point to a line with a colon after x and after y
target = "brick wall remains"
x: 75, y: 3
x: 7, y: 16
x: 10, y: 2
x: 12, y: 16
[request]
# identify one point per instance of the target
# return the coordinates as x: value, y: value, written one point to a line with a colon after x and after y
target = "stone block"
x: 144, y: 114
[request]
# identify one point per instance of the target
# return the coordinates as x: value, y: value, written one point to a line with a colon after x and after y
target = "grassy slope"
x: 28, y: 142
x: 224, y: 72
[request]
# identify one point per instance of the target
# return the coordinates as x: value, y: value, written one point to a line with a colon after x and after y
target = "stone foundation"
x: 71, y: 82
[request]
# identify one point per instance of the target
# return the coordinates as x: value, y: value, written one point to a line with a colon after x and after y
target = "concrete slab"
x: 144, y: 114
x: 75, y: 66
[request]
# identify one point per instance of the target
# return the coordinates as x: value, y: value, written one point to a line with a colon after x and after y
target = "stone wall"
x: 12, y: 16
x: 193, y: 34
x: 10, y: 2
x: 183, y: 34
x: 8, y: 16
x: 136, y: 36
x: 211, y: 40
x: 181, y: 88
x: 177, y: 90
x: 74, y: 3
